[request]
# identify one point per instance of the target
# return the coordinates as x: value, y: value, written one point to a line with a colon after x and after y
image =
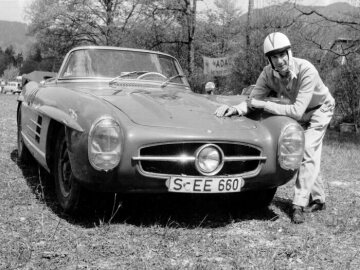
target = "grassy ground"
x: 176, y: 232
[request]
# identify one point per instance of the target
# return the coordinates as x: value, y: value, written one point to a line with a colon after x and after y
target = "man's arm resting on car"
x: 226, y: 110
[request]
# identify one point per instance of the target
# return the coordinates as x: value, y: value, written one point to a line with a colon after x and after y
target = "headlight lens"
x: 291, y: 147
x: 209, y: 159
x: 105, y: 144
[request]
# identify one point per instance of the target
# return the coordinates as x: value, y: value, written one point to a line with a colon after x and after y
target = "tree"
x: 36, y: 61
x: 11, y: 73
x: 7, y: 58
x: 171, y: 26
x: 62, y: 24
x: 19, y: 59
x: 3, y: 63
x: 218, y: 33
x: 347, y: 92
x: 29, y: 66
x: 10, y: 52
x: 320, y: 28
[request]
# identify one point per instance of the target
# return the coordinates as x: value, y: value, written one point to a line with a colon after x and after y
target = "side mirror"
x: 46, y: 79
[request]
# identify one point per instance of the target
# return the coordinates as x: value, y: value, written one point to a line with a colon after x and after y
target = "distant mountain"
x: 336, y: 10
x: 14, y: 33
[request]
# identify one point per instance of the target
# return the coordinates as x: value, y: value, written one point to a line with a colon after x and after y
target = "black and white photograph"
x: 179, y: 134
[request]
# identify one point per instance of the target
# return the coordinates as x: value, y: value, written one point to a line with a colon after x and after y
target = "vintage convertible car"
x: 125, y: 120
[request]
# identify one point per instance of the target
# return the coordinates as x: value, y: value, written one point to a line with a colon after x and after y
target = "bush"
x: 347, y: 92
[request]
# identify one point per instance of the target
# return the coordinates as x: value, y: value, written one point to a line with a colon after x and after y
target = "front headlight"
x: 105, y: 144
x: 209, y: 159
x: 291, y: 147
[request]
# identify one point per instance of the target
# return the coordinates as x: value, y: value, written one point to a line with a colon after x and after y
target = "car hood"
x: 176, y: 109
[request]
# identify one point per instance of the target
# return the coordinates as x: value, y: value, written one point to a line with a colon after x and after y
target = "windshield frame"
x: 68, y: 57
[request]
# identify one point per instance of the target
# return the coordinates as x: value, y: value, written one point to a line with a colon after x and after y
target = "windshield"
x: 123, y: 64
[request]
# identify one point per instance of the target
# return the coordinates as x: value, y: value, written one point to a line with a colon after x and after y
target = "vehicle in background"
x: 2, y: 84
x: 12, y: 87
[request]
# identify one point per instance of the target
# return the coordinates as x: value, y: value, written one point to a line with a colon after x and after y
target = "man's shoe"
x: 297, y: 215
x: 315, y: 205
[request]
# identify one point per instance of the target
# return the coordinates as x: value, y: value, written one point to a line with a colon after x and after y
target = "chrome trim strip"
x: 165, y: 158
x: 166, y: 176
x: 203, y: 142
x: 35, y: 123
x: 34, y: 131
x: 190, y: 158
x: 245, y: 158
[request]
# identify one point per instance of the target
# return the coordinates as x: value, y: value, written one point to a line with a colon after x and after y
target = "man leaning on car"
x: 312, y: 105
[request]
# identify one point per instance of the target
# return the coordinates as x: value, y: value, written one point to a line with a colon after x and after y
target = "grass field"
x: 179, y: 232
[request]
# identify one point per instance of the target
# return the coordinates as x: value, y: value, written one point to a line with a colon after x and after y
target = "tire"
x: 68, y: 191
x: 261, y: 198
x: 254, y: 199
x: 24, y: 155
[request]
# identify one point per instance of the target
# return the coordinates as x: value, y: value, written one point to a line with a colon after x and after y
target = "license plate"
x: 205, y: 185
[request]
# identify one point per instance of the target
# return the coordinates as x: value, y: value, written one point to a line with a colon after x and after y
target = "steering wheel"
x: 150, y: 74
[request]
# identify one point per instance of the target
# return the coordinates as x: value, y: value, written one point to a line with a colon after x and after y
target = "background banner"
x: 217, y: 66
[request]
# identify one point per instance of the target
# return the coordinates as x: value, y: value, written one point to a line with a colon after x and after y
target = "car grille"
x: 178, y: 159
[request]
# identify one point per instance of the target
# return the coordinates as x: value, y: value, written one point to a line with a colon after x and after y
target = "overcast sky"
x: 243, y: 4
x: 12, y: 10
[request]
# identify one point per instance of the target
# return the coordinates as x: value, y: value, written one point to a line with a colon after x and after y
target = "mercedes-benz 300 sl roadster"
x: 126, y: 121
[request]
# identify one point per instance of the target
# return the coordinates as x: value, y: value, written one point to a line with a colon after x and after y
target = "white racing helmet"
x: 276, y: 42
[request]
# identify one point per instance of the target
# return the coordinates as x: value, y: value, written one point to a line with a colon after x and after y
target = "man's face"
x: 280, y: 62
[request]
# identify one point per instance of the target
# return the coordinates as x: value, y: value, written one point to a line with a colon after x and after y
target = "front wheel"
x: 68, y: 190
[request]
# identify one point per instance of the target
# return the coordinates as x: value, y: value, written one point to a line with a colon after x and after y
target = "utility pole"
x: 191, y: 18
x: 248, y: 41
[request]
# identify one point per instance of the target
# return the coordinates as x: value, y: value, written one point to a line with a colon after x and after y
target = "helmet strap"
x: 289, y: 54
x: 269, y: 59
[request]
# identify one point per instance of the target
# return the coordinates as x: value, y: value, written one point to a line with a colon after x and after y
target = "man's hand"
x: 225, y: 110
x: 255, y: 103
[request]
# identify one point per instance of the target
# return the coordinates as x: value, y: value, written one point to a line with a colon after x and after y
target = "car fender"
x: 65, y: 113
x: 61, y: 117
x: 274, y: 124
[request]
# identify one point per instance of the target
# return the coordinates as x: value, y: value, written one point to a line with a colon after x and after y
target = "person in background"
x: 312, y: 105
x: 210, y: 88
